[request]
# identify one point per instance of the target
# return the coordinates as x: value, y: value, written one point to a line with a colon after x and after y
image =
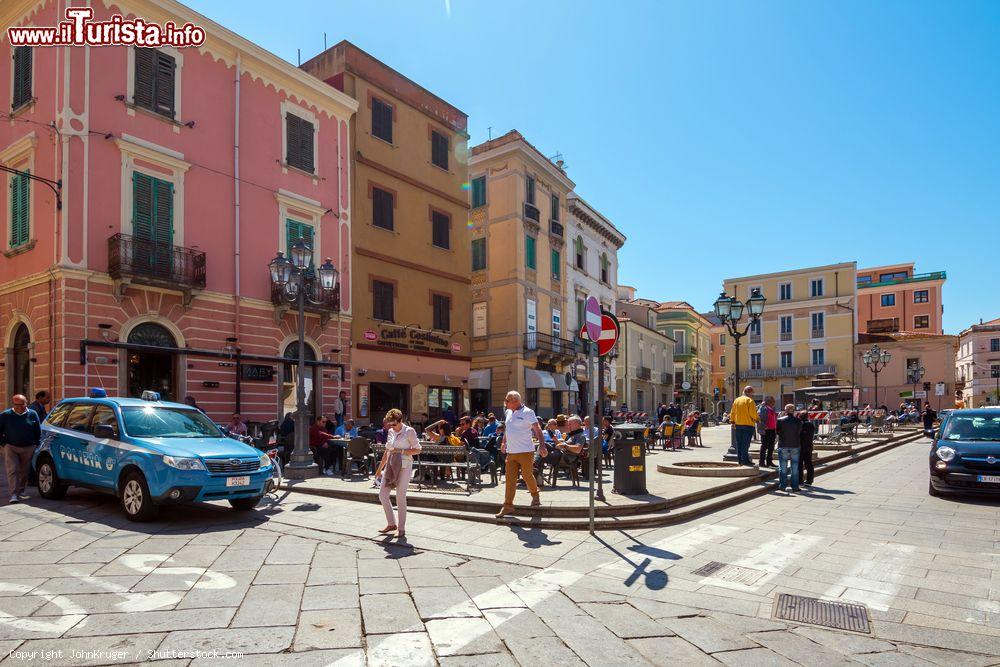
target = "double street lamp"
x: 297, y: 281
x: 876, y: 359
x: 729, y: 310
x: 698, y: 373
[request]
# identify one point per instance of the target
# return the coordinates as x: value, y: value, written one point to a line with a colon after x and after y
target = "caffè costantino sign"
x: 406, y: 338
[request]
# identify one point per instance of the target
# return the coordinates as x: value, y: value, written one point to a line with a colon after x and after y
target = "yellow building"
x: 519, y: 339
x: 691, y: 332
x: 809, y: 326
x: 719, y: 386
x: 410, y: 344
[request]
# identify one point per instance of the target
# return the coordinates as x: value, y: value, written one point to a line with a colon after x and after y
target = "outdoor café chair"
x: 358, y: 454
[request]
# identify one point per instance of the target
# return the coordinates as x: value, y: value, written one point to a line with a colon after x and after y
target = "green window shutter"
x: 478, y: 254
x: 529, y: 252
x: 20, y: 197
x: 556, y: 268
x: 295, y: 231
x: 142, y: 206
x: 22, y: 77
x: 478, y: 192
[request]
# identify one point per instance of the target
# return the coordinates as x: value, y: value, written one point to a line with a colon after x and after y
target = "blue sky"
x: 723, y: 138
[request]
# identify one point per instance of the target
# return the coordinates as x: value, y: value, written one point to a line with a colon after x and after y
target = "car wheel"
x: 932, y: 491
x: 136, y: 500
x: 49, y: 484
x: 245, y: 504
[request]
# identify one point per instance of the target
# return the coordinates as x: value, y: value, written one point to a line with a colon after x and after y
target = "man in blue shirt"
x: 20, y: 432
x: 491, y: 426
x: 347, y: 430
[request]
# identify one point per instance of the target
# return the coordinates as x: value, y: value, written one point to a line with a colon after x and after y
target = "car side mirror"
x: 104, y: 431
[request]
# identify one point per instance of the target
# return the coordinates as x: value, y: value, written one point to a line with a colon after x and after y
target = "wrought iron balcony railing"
x: 665, y: 378
x: 643, y: 373
x: 151, y: 262
x: 535, y: 341
x: 791, y: 371
x: 555, y: 228
x: 818, y: 333
x: 531, y: 212
x: 786, y: 335
x: 755, y: 338
x: 319, y: 301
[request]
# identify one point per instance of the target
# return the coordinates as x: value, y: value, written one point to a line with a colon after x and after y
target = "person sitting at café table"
x: 382, y: 435
x: 236, y: 426
x: 691, y: 427
x: 547, y: 451
x: 468, y: 433
x: 491, y: 426
x: 347, y: 430
x: 327, y: 452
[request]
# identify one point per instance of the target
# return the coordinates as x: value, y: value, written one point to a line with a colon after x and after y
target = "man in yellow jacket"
x: 743, y: 417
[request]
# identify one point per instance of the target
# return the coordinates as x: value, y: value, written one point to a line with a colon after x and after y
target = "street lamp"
x: 876, y: 359
x: 916, y: 373
x: 698, y: 373
x: 296, y: 281
x: 729, y: 310
x: 995, y: 372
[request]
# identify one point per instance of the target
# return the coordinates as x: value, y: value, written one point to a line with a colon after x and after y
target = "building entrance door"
x: 20, y: 372
x: 385, y: 397
x: 152, y: 371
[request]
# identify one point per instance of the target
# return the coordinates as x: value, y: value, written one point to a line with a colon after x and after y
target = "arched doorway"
x: 154, y: 371
x: 289, y: 379
x: 20, y: 359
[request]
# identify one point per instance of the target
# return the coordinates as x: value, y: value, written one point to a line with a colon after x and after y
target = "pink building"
x: 894, y: 298
x: 183, y: 172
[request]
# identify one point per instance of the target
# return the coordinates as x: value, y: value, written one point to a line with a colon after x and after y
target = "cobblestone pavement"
x: 309, y: 582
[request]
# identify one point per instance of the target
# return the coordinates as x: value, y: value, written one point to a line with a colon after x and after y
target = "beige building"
x: 977, y: 367
x: 645, y: 361
x: 935, y: 353
x: 719, y: 384
x: 520, y: 339
x: 411, y: 251
x: 809, y: 326
x: 691, y: 332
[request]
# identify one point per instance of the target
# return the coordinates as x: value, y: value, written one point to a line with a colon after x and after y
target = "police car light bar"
x: 150, y: 396
x: 96, y: 392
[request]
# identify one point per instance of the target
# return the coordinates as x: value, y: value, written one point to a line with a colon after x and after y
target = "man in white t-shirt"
x: 520, y: 425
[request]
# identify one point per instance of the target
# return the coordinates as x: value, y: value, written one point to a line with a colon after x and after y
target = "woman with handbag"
x: 395, y: 469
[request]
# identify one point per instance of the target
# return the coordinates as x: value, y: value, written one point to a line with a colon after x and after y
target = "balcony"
x: 755, y: 338
x: 817, y: 333
x: 683, y: 352
x: 546, y: 345
x: 884, y: 325
x: 643, y: 373
x: 666, y: 378
x: 790, y: 372
x: 531, y: 212
x: 785, y: 336
x: 134, y: 260
x: 556, y: 228
x: 323, y: 302
x: 915, y: 278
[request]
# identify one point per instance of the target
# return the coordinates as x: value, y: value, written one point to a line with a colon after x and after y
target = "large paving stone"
x: 754, y: 657
x: 377, y: 585
x: 85, y: 584
x: 270, y: 605
x: 891, y: 659
x: 948, y: 639
x: 670, y: 651
x: 424, y: 577
x: 109, y: 603
x: 335, y: 596
x: 658, y: 610
x: 592, y: 641
x: 626, y: 621
x: 405, y: 649
x: 947, y: 658
x: 196, y: 555
x: 291, y: 550
x: 328, y: 628
x: 517, y: 623
x: 444, y: 602
x: 490, y: 593
x: 463, y: 636
x: 543, y: 651
x: 282, y: 574
x: 488, y: 660
x: 800, y: 649
x: 152, y: 621
x: 82, y: 651
x: 379, y: 568
x: 208, y: 593
x: 342, y: 657
x: 322, y: 575
x: 843, y: 642
x: 234, y: 558
x: 708, y: 634
x: 242, y: 640
x: 390, y: 614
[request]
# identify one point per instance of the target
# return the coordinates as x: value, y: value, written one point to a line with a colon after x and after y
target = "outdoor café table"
x: 447, y: 451
x: 341, y: 445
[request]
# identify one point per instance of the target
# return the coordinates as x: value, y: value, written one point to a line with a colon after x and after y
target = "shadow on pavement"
x: 654, y: 579
x: 533, y: 538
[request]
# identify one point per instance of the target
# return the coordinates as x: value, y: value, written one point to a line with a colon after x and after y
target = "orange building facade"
x: 895, y: 298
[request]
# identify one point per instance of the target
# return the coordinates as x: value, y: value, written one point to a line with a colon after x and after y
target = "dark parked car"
x: 965, y: 454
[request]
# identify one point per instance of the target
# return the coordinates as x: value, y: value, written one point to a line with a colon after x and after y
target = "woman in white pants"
x: 396, y: 467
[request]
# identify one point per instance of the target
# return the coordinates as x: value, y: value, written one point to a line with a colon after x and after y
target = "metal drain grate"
x: 839, y: 615
x: 727, y: 572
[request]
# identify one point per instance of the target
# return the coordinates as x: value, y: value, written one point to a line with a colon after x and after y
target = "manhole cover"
x: 839, y: 615
x: 727, y: 572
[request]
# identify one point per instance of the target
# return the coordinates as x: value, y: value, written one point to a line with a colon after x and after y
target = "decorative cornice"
x: 389, y: 259
x: 412, y: 181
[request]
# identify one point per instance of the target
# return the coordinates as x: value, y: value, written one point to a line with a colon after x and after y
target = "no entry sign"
x: 610, y: 331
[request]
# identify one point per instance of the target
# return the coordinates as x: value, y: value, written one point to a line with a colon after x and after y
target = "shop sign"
x: 456, y: 347
x: 418, y: 340
x: 371, y: 335
x: 363, y: 401
x: 257, y: 373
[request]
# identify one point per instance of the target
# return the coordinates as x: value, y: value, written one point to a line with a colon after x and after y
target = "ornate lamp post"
x: 297, y: 281
x: 698, y: 374
x: 729, y: 310
x: 916, y: 373
x: 876, y: 359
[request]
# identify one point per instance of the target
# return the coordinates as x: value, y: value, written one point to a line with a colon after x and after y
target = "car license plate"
x: 238, y: 481
x: 992, y: 479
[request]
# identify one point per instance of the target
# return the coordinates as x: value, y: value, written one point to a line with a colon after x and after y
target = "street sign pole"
x: 595, y: 443
x: 600, y: 416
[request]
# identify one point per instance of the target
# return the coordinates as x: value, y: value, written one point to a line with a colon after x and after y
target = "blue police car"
x: 148, y: 453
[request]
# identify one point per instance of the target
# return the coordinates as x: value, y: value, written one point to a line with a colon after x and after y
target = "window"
x: 755, y: 327
x: 922, y: 322
x: 381, y: 120
x: 104, y: 416
x: 22, y: 77
x: 382, y: 301
x: 79, y: 417
x: 755, y: 361
x: 785, y: 292
x: 818, y: 321
x: 786, y: 359
x: 299, y: 143
x: 888, y: 300
x: 20, y: 201
x: 154, y: 81
x: 440, y: 229
x: 921, y: 296
x: 382, y: 208
x: 898, y: 275
x: 531, y: 398
x: 556, y: 265
x: 530, y: 260
x: 994, y: 344
x: 479, y: 192
x: 580, y: 255
x: 555, y: 207
x: 296, y: 231
x: 786, y: 324
x: 478, y: 254
x: 722, y: 339
x: 722, y: 361
x: 605, y: 269
x: 819, y: 357
x: 816, y: 287
x: 556, y: 324
x: 439, y: 150
x: 640, y: 399
x: 864, y: 279
x: 153, y: 223
x: 58, y: 415
x: 530, y: 190
x: 442, y: 311
x: 581, y: 315
x: 531, y: 315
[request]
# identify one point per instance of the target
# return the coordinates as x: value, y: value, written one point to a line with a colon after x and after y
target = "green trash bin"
x: 630, y: 459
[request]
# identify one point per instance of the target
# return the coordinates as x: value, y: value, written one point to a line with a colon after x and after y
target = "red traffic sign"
x: 610, y: 331
x: 592, y: 318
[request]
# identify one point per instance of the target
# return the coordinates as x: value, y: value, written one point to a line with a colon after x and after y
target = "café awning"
x: 481, y: 378
x: 538, y: 379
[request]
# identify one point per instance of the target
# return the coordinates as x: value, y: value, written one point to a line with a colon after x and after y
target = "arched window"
x: 580, y: 253
x: 151, y: 333
x: 605, y: 269
x: 289, y: 376
x: 21, y: 361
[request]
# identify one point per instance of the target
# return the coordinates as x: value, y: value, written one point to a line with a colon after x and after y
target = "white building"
x: 592, y: 244
x: 977, y: 364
